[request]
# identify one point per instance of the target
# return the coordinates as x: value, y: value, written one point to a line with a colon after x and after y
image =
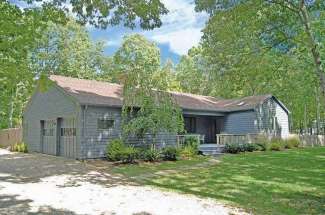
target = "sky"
x: 180, y: 31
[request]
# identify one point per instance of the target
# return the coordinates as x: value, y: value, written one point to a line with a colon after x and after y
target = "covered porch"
x: 206, y: 126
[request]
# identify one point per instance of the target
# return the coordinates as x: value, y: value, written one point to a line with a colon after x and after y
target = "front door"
x: 211, y: 130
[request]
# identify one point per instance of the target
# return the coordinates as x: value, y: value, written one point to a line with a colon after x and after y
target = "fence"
x: 10, y: 136
x: 223, y: 139
x: 312, y: 140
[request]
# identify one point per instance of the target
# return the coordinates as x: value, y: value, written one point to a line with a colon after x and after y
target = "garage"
x: 49, y: 137
x: 68, y: 142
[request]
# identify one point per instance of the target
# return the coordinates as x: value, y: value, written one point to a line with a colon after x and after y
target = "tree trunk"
x: 11, y: 110
x: 313, y: 46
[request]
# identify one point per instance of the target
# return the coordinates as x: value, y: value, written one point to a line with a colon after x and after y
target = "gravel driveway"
x: 41, y: 184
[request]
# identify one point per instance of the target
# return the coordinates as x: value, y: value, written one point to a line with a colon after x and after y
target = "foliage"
x: 192, y: 141
x: 266, y: 48
x: 255, y: 182
x: 19, y: 147
x: 67, y: 50
x: 170, y: 153
x: 188, y: 151
x: 150, y: 155
x: 117, y: 151
x: 276, y: 144
x: 147, y: 107
x: 103, y: 13
x: 292, y: 143
x: 237, y: 148
x: 19, y: 32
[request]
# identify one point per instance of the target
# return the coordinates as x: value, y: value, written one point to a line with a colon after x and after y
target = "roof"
x: 91, y: 92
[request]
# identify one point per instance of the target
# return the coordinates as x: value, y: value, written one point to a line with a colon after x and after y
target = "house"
x: 77, y: 118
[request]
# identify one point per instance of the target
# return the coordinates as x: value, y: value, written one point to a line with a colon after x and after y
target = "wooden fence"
x: 223, y: 139
x: 312, y: 140
x: 10, y: 136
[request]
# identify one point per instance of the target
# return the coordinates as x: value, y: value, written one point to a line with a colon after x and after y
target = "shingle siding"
x: 242, y: 122
x: 94, y: 140
x: 51, y: 104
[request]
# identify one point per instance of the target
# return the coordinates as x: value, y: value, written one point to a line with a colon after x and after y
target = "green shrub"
x: 19, y: 147
x: 245, y: 147
x: 232, y: 148
x: 189, y: 151
x: 292, y: 143
x: 192, y: 141
x: 150, y: 155
x: 263, y: 143
x: 277, y: 144
x: 250, y: 147
x: 129, y: 154
x: 170, y: 153
x: 117, y: 151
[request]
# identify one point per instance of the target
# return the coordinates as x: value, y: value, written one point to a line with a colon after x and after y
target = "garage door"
x: 48, y: 131
x: 68, y: 146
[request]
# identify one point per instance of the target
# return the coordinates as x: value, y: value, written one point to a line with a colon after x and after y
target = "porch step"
x: 211, y: 149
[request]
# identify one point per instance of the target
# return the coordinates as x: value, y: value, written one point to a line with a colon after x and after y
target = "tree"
x: 193, y: 73
x: 67, y: 50
x: 19, y: 30
x: 258, y: 47
x: 147, y: 107
x: 280, y: 24
x: 102, y: 13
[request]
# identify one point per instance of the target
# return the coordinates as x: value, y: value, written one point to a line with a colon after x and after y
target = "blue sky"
x: 180, y: 31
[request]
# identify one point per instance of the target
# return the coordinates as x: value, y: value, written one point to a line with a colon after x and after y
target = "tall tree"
x: 147, y: 108
x: 102, y: 13
x: 67, y: 50
x: 19, y: 30
x: 281, y: 24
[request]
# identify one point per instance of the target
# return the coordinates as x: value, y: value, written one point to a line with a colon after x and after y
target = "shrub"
x: 276, y: 146
x: 129, y: 154
x: 193, y: 142
x: 232, y: 148
x: 292, y: 143
x: 19, y: 147
x: 150, y: 155
x: 170, y: 153
x: 263, y: 143
x: 250, y: 147
x: 236, y: 148
x: 188, y: 151
x: 117, y: 151
x: 114, y: 150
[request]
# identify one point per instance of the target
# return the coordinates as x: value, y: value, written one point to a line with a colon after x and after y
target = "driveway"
x: 41, y: 184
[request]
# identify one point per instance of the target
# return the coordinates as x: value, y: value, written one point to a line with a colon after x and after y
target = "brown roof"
x: 108, y: 94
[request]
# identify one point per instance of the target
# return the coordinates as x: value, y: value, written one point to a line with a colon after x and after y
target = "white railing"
x: 223, y: 139
x: 183, y: 137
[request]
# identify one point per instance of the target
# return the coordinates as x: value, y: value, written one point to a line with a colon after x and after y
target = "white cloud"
x: 181, y: 27
x: 180, y: 41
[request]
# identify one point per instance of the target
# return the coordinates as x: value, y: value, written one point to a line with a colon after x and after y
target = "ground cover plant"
x: 284, y: 182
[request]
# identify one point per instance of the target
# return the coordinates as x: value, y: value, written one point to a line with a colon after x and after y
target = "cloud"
x: 181, y: 27
x: 180, y: 41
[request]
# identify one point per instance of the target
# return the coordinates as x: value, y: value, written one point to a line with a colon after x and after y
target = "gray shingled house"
x: 77, y: 118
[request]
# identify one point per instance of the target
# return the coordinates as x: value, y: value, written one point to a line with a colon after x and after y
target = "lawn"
x: 287, y: 182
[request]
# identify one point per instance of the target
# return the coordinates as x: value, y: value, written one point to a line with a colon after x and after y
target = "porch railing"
x: 223, y: 139
x: 181, y: 139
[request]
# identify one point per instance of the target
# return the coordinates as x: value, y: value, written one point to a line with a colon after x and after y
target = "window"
x: 68, y: 132
x: 105, y: 123
x: 48, y: 132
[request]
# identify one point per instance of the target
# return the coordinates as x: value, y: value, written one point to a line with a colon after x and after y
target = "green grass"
x: 286, y: 182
